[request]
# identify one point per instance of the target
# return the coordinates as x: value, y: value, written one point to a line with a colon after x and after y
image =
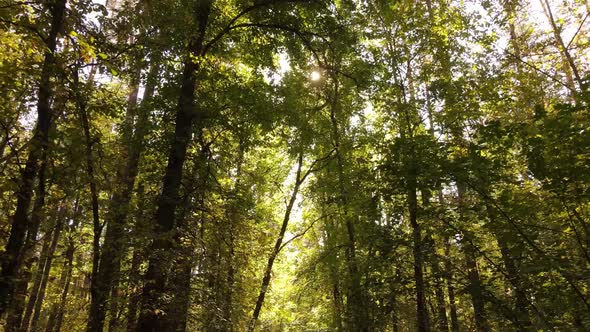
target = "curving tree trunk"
x: 299, y: 178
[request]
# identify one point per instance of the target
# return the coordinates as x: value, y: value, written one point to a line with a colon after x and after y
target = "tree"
x: 294, y: 165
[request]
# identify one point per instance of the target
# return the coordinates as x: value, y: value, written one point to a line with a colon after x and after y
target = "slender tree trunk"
x: 114, y: 313
x: 181, y: 278
x: 421, y: 309
x: 475, y: 286
x: 475, y: 290
x: 57, y: 308
x: 46, y: 270
x: 36, y: 282
x: 40, y: 273
x: 134, y: 285
x: 570, y: 65
x: 436, y: 268
x: 91, y: 177
x: 411, y: 192
x: 229, y: 289
x: 448, y: 276
x: 134, y: 281
x: 39, y: 145
x: 14, y: 314
x: 451, y: 288
x: 54, y: 325
x: 521, y: 304
x: 521, y: 301
x: 337, y: 298
x: 278, y: 245
x: 233, y: 218
x: 181, y: 274
x: 153, y: 299
x: 357, y: 311
x: 3, y: 143
x: 330, y: 240
x: 212, y: 317
x: 443, y: 323
x: 511, y: 15
x: 441, y: 312
x: 444, y: 58
x: 394, y: 317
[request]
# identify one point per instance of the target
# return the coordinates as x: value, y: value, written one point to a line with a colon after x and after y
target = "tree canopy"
x: 294, y: 165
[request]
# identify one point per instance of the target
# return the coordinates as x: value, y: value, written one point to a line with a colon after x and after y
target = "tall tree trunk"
x: 394, y: 315
x: 233, y: 218
x: 40, y: 273
x: 421, y: 309
x: 444, y: 59
x: 39, y: 146
x: 81, y: 105
x: 153, y: 299
x: 475, y: 291
x: 357, y: 311
x: 451, y: 288
x: 114, y: 241
x: 441, y: 313
x: 134, y: 285
x: 45, y: 278
x: 229, y: 288
x: 181, y: 283
x: 436, y: 268
x: 58, y: 307
x: 569, y: 64
x: 184, y: 261
x: 278, y: 244
x: 213, y: 280
x: 134, y: 281
x: 521, y: 303
x: 114, y: 309
x: 407, y: 133
x: 16, y: 311
x: 337, y: 298
x: 475, y: 287
x: 336, y: 292
x: 443, y: 323
x: 36, y: 282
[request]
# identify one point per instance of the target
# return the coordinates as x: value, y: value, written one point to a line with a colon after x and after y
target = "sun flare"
x: 315, y: 75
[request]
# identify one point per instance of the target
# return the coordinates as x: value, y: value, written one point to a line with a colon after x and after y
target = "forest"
x: 294, y: 165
